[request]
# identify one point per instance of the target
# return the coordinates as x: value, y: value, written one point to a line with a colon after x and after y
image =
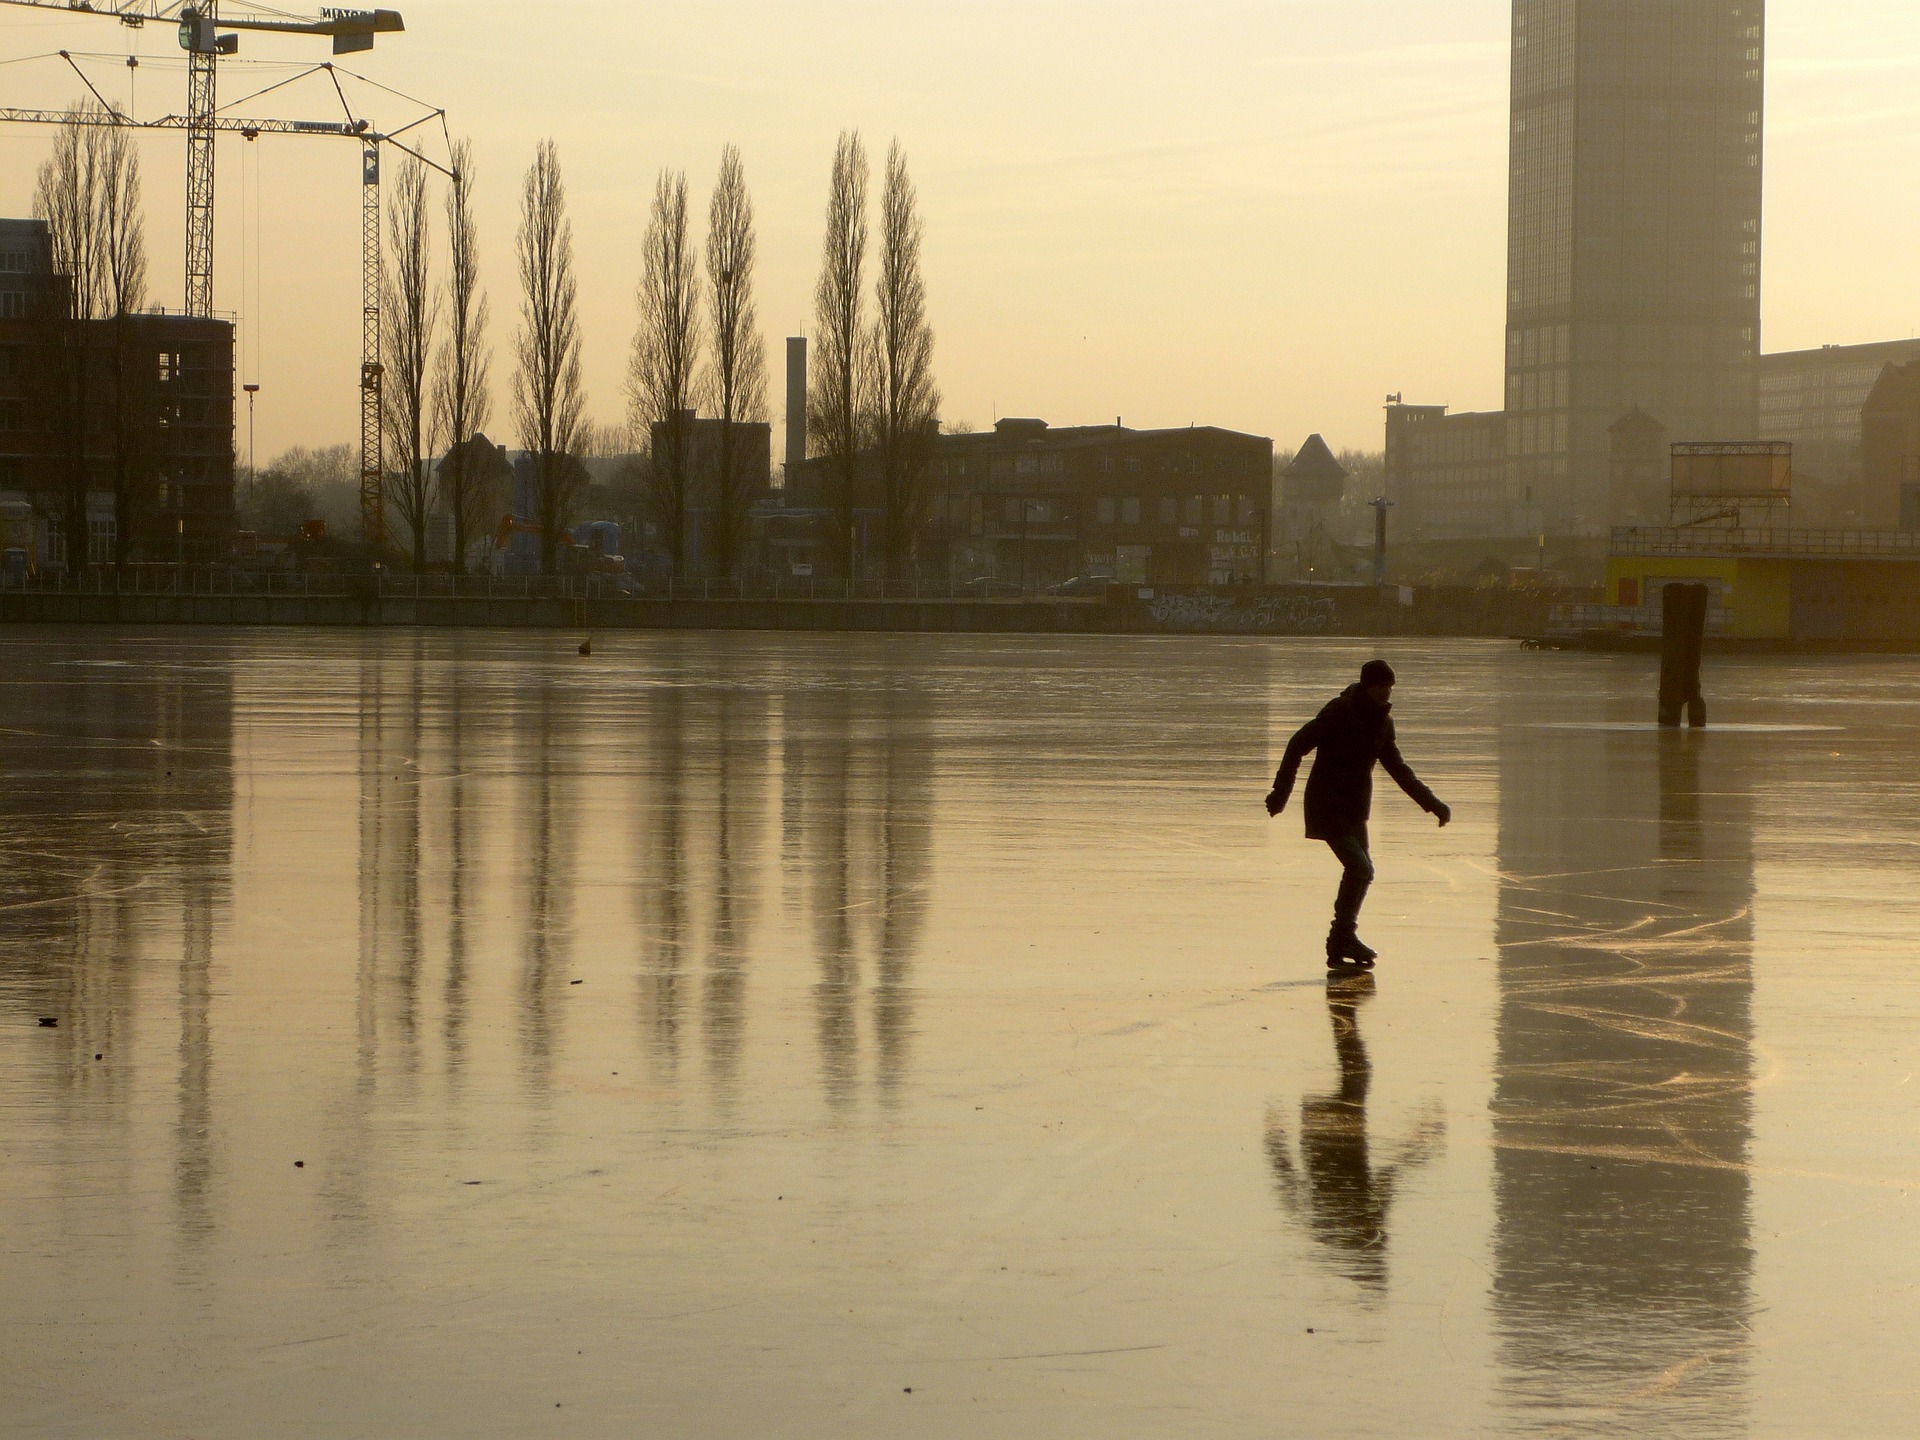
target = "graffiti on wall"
x: 1267, y: 615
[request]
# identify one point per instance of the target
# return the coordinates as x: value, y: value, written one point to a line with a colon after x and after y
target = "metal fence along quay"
x: 1708, y: 540
x: 225, y: 580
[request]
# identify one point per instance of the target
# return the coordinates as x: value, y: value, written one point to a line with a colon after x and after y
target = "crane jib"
x: 335, y: 20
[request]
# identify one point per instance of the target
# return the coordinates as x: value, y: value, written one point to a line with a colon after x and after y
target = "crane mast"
x: 197, y: 33
x: 373, y: 494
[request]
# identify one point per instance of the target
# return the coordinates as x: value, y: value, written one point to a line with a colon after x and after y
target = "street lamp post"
x: 1380, y: 508
x: 253, y: 469
x: 253, y: 464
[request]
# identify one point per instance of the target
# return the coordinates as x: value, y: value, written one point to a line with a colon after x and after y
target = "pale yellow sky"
x: 1264, y: 214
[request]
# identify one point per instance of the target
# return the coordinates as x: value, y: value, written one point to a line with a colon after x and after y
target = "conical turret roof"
x: 1315, y: 462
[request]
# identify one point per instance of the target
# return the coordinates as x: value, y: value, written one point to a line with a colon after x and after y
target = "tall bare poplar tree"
x: 836, y: 386
x: 548, y: 393
x: 410, y: 316
x: 908, y: 403
x: 666, y: 356
x: 123, y: 281
x: 461, y: 392
x: 67, y: 197
x: 737, y: 377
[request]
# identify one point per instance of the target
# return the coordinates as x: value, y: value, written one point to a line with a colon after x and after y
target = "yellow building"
x: 1779, y: 585
x: 1731, y: 530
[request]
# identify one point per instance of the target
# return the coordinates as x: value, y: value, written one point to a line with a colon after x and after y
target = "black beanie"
x: 1376, y: 672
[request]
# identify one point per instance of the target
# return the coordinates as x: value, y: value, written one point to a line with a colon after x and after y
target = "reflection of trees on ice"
x: 863, y: 836
x: 661, y: 889
x: 852, y: 809
x: 549, y: 830
x: 736, y: 812
x: 116, y: 854
x: 699, y: 807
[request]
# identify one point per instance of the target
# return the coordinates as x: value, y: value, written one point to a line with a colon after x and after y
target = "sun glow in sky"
x: 1263, y: 214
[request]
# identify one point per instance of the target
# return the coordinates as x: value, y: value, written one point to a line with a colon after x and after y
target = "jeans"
x: 1357, y: 874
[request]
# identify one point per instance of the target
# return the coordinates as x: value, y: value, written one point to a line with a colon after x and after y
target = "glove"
x: 1275, y: 802
x: 1443, y: 811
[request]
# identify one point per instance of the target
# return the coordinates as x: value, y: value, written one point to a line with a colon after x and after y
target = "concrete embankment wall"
x: 1274, y: 611
x: 608, y: 614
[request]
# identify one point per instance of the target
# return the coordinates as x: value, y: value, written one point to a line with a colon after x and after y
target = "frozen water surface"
x: 734, y: 1035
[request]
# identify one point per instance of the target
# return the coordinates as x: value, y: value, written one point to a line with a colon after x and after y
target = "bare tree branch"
x: 93, y: 394
x: 410, y: 315
x: 738, y: 374
x: 663, y: 373
x: 837, y: 385
x: 67, y: 197
x: 122, y: 227
x: 123, y: 279
x: 907, y: 405
x: 463, y: 400
x: 549, y: 395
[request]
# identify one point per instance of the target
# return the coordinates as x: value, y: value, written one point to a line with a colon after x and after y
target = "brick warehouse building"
x: 1035, y: 505
x: 179, y: 504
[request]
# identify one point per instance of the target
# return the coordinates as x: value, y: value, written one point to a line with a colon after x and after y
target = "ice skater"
x: 1354, y: 731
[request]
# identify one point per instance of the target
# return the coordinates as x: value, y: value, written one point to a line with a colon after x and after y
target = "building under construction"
x: 156, y: 441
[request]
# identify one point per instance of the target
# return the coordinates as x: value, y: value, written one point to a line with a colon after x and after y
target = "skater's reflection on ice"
x: 1334, y: 1189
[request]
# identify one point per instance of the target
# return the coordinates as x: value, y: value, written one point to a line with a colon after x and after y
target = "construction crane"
x: 199, y: 26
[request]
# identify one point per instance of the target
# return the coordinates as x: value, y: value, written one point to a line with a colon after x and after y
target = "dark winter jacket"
x: 1351, y: 734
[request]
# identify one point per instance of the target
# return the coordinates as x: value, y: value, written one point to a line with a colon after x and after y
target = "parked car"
x: 988, y: 587
x: 1095, y: 585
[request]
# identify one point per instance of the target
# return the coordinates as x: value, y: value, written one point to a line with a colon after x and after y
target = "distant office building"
x: 1633, y: 270
x: 1633, y: 267
x: 1641, y: 469
x: 23, y: 256
x: 752, y: 467
x: 23, y: 274
x: 177, y: 423
x: 1890, y: 443
x: 1813, y: 399
x: 1447, y: 475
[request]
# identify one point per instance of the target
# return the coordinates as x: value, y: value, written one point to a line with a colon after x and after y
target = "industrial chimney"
x: 796, y: 407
